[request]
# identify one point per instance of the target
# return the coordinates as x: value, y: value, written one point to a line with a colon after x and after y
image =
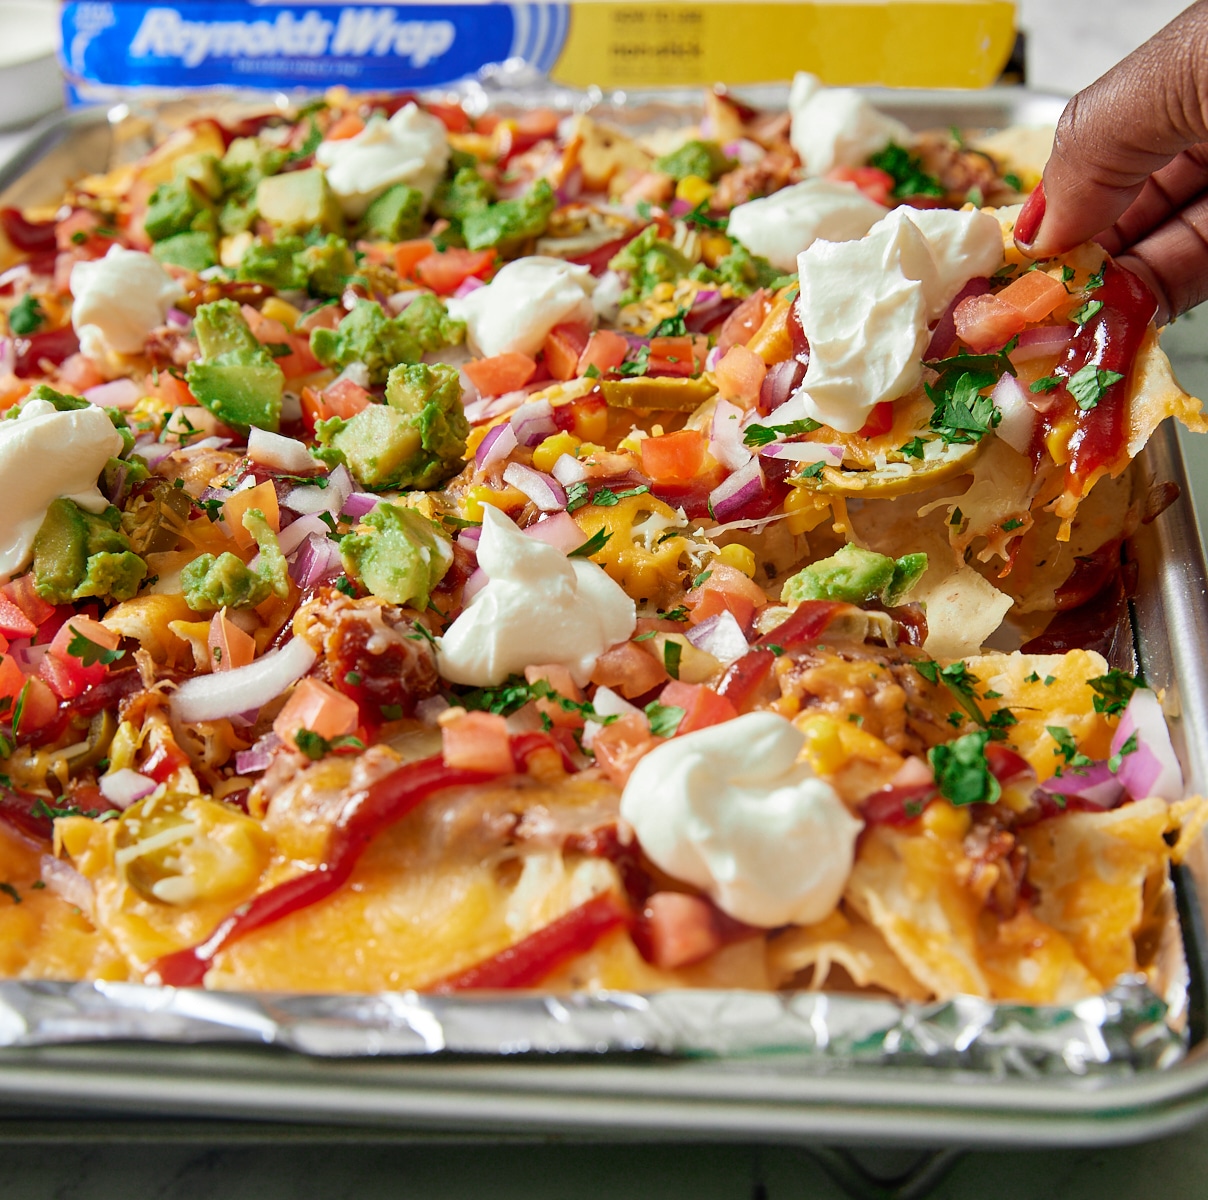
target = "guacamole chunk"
x: 856, y: 576
x: 399, y: 555
x: 79, y: 554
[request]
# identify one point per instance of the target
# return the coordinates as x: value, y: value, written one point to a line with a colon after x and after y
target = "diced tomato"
x: 713, y: 603
x: 876, y: 184
x: 730, y: 581
x: 1006, y: 764
x: 446, y: 271
x: 48, y: 629
x: 559, y: 678
x: 1033, y: 295
x: 264, y: 497
x: 478, y: 741
x: 13, y: 621
x: 345, y: 398
x: 985, y: 322
x: 880, y: 420
x: 745, y: 679
x: 563, y: 348
x: 679, y: 929
x: 348, y: 126
x: 586, y: 418
x: 454, y: 118
x: 172, y: 391
x: 41, y: 707
x: 741, y: 324
x: 264, y: 329
x: 78, y: 374
x: 28, y: 236
x: 605, y: 351
x: 620, y: 746
x: 628, y: 670
x: 408, y: 254
x: 674, y: 457
x: 164, y: 761
x: 21, y: 592
x: 12, y: 679
x: 316, y: 706
x: 807, y: 624
x: 54, y: 346
x: 501, y: 373
x: 739, y: 376
x: 671, y: 356
x: 65, y: 680
x: 702, y: 705
x: 327, y: 316
x: 78, y: 625
x: 229, y: 646
x: 515, y: 135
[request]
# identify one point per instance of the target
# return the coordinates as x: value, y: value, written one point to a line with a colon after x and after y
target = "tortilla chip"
x: 854, y: 945
x: 605, y: 151
x: 1021, y: 149
x: 963, y: 610
x: 1030, y: 962
x: 1090, y: 870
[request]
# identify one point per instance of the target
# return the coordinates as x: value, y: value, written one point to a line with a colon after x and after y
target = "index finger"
x: 1116, y: 133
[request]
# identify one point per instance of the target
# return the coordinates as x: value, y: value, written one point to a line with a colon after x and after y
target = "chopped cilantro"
x: 913, y: 448
x: 636, y: 365
x: 9, y: 890
x: 309, y: 146
x: 909, y: 178
x: 1067, y: 748
x: 315, y: 746
x: 26, y: 316
x: 1049, y: 680
x: 1095, y: 281
x: 929, y: 670
x: 671, y: 326
x: 957, y: 516
x: 1011, y: 525
x: 664, y: 718
x: 645, y: 637
x: 777, y: 651
x: 962, y: 774
x: 88, y: 652
x: 814, y: 470
x: 1067, y: 274
x: 345, y: 585
x: 700, y: 580
x: 856, y: 718
x: 576, y: 495
x: 1114, y: 690
x: 1033, y: 678
x: 593, y: 545
x: 763, y: 435
x: 1088, y: 385
x: 679, y: 613
x: 392, y: 712
x: 1088, y: 310
x: 1013, y: 181
x: 962, y: 414
x: 672, y: 652
x: 1129, y: 747
x: 606, y: 497
x: 592, y: 372
x: 279, y: 350
x: 514, y: 693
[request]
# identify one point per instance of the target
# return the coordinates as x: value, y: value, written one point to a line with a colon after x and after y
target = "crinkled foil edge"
x: 1126, y: 1030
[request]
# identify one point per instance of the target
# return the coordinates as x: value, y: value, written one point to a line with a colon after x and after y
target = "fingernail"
x: 1027, y: 224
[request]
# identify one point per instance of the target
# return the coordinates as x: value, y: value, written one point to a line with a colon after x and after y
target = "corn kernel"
x: 808, y: 508
x: 823, y: 747
x: 946, y: 821
x: 713, y: 248
x: 476, y: 497
x: 552, y: 449
x: 277, y: 309
x: 741, y: 558
x: 1058, y: 440
x: 694, y: 190
x: 591, y: 422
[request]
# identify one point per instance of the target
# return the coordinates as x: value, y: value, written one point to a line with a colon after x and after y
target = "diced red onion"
x: 944, y: 333
x: 721, y: 636
x: 360, y: 504
x: 259, y: 757
x: 123, y: 787
x: 1042, y: 342
x: 568, y: 469
x: 706, y: 299
x: 477, y: 581
x: 151, y: 451
x: 280, y: 453
x: 467, y: 285
x: 1152, y: 769
x: 914, y: 772
x: 679, y: 207
x: 810, y: 452
x: 27, y: 657
x: 747, y: 152
x: 608, y: 704
x: 534, y: 422
x: 469, y: 538
x: 712, y: 359
x: 572, y: 186
x: 118, y: 393
x: 782, y: 379
x: 355, y: 372
x: 67, y: 883
x: 399, y: 301
x: 559, y: 529
x: 428, y: 709
x: 296, y: 532
x: 330, y: 499
x: 499, y: 442
x: 1096, y: 785
x: 1018, y: 416
x: 735, y: 492
x: 726, y: 443
x: 208, y: 697
x: 8, y: 356
x: 318, y: 559
x: 542, y: 489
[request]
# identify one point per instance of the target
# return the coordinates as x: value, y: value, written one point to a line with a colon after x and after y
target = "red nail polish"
x: 1027, y: 224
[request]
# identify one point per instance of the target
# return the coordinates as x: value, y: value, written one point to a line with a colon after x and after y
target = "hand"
x: 1130, y: 168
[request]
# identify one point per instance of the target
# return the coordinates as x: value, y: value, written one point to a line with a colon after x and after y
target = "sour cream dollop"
x: 519, y: 307
x: 538, y: 606
x: 837, y: 127
x: 118, y: 300
x: 783, y: 224
x: 865, y: 305
x: 730, y: 810
x: 45, y: 454
x: 411, y: 147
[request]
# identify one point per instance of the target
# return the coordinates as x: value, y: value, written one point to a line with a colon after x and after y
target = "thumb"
x: 1116, y: 133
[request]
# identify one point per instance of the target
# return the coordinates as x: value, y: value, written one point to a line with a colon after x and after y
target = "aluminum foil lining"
x: 1124, y: 1031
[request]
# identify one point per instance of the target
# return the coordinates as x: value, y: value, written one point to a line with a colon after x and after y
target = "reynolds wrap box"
x: 112, y: 45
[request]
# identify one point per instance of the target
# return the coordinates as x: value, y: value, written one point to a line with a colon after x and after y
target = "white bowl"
x: 31, y: 83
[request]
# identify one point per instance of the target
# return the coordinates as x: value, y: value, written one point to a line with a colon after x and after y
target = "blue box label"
x: 119, y: 43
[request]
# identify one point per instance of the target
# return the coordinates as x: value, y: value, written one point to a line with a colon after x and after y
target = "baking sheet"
x: 1125, y: 1040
